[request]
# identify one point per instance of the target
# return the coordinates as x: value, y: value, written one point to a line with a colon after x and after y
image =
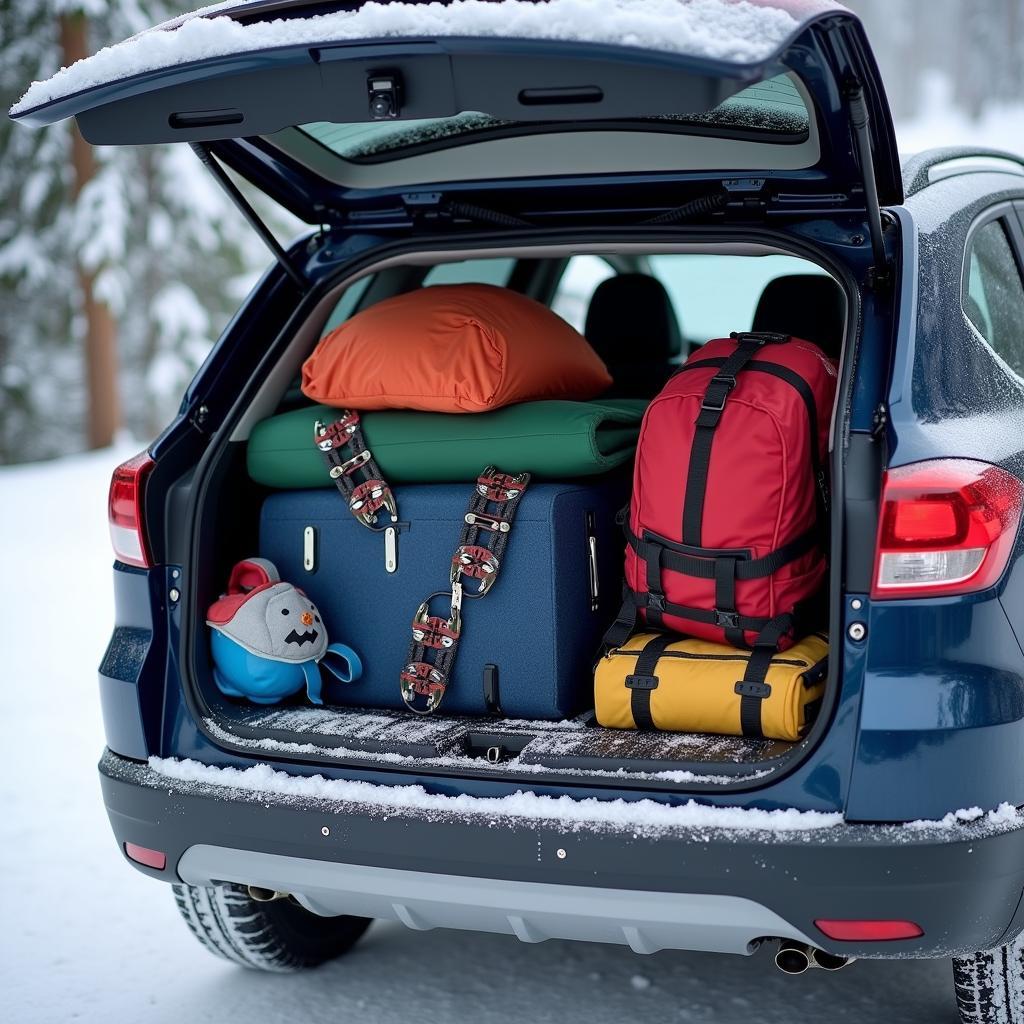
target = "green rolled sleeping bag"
x: 552, y: 439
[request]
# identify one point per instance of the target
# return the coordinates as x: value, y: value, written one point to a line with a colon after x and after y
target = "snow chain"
x: 477, y: 559
x: 354, y: 470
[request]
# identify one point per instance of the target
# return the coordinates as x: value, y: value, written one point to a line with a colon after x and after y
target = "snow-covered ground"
x: 85, y: 938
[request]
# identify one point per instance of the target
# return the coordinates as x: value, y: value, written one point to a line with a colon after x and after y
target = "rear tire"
x: 990, y: 986
x: 279, y: 936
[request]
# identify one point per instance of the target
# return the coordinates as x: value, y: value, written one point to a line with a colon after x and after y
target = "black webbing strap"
x: 711, y: 408
x: 643, y: 681
x: 655, y: 591
x: 823, y: 496
x: 625, y: 622
x: 703, y: 566
x: 656, y: 605
x: 482, y: 542
x: 354, y: 470
x: 725, y: 599
x: 752, y: 688
x: 710, y: 616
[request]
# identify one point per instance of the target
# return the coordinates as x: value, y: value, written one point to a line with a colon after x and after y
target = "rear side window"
x: 994, y: 298
x: 492, y: 271
x: 577, y: 286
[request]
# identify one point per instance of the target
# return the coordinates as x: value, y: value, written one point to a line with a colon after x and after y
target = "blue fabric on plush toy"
x: 268, y: 640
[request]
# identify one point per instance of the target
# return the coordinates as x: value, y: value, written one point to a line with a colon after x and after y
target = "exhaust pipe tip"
x: 793, y: 958
x: 830, y: 961
x: 261, y: 895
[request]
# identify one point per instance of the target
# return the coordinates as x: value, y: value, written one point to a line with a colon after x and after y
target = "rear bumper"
x: 683, y: 888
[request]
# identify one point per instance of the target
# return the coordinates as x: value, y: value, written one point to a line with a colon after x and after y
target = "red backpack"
x: 727, y: 525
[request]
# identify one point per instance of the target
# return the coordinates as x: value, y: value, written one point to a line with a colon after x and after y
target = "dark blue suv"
x: 743, y: 156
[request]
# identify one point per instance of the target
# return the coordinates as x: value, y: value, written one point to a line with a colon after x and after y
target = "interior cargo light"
x: 868, y: 931
x: 124, y: 511
x: 143, y: 855
x: 946, y: 527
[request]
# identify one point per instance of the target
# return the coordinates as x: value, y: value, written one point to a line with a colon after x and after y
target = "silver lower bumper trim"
x: 532, y: 911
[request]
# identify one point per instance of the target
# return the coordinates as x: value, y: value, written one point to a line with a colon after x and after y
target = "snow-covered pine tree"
x: 171, y: 257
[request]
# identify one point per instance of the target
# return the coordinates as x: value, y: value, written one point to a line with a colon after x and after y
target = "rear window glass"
x: 773, y: 107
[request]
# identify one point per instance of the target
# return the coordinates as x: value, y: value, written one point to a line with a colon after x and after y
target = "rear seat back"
x: 809, y: 306
x: 632, y: 325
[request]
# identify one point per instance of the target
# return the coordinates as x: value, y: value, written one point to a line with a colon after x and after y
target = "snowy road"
x: 87, y: 939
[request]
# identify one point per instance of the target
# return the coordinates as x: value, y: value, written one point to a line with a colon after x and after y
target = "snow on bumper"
x: 642, y: 816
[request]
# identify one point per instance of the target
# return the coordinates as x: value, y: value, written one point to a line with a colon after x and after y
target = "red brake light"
x: 124, y: 511
x: 869, y: 931
x: 946, y: 527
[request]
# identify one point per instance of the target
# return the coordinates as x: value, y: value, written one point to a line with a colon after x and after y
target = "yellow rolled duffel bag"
x: 681, y: 684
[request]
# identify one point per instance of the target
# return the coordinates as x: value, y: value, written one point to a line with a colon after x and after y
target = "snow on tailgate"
x: 732, y: 30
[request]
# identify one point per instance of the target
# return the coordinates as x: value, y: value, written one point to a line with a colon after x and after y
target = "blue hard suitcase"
x: 527, y: 647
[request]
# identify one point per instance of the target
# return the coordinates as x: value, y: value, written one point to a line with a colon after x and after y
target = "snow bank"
x: 639, y: 816
x: 732, y: 30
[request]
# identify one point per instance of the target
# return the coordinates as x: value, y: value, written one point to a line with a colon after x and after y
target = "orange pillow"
x: 452, y: 348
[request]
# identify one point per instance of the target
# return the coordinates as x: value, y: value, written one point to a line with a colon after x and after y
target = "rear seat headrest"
x: 631, y: 318
x: 809, y: 306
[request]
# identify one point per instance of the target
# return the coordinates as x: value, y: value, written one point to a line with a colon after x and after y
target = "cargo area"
x: 521, y: 701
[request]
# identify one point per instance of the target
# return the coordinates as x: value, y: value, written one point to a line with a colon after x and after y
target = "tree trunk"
x: 104, y: 415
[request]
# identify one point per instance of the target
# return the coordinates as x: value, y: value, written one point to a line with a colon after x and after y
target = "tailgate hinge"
x: 258, y: 225
x: 199, y: 419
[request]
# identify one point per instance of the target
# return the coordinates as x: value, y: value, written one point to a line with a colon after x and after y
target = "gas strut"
x: 859, y: 121
x: 234, y: 193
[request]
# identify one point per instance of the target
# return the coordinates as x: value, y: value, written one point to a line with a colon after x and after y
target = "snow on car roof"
x: 739, y: 31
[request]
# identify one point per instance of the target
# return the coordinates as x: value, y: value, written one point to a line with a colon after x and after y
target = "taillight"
x: 124, y: 511
x: 947, y: 527
x: 869, y: 931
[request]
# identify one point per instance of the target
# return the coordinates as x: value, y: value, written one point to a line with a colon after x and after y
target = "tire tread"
x: 989, y: 986
x: 229, y: 923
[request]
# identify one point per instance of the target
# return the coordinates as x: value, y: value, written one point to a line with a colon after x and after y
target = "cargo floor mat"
x: 516, y: 746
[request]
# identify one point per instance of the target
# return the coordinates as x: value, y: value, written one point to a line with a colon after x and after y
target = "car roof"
x: 930, y: 165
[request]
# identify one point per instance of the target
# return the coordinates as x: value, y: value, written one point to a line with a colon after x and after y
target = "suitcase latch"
x: 391, y: 549
x: 309, y: 549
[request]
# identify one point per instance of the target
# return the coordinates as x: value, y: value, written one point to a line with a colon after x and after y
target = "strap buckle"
x: 724, y: 385
x: 422, y: 683
x: 727, y: 620
x: 488, y: 522
x: 745, y: 688
x: 369, y: 498
x: 497, y: 486
x: 476, y: 562
x: 635, y: 682
x: 759, y: 337
x: 655, y: 601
